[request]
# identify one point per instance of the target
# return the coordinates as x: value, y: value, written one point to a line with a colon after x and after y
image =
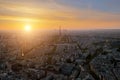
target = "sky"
x: 50, y: 14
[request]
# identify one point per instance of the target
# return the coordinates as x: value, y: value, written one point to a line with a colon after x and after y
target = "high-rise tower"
x: 60, y: 32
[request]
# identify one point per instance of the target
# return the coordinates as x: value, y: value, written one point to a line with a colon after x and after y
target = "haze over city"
x: 49, y: 14
x: 59, y: 39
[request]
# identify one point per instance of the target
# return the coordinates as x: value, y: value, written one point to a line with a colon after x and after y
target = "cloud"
x: 54, y: 12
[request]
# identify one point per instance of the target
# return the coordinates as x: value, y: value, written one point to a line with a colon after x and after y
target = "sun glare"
x: 27, y: 28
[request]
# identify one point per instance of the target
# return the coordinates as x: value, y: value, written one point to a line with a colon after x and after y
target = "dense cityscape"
x: 61, y: 55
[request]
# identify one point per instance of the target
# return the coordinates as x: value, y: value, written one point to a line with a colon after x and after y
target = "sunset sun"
x: 27, y: 27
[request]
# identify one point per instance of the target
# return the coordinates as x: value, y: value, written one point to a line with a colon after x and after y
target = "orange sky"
x: 15, y: 15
